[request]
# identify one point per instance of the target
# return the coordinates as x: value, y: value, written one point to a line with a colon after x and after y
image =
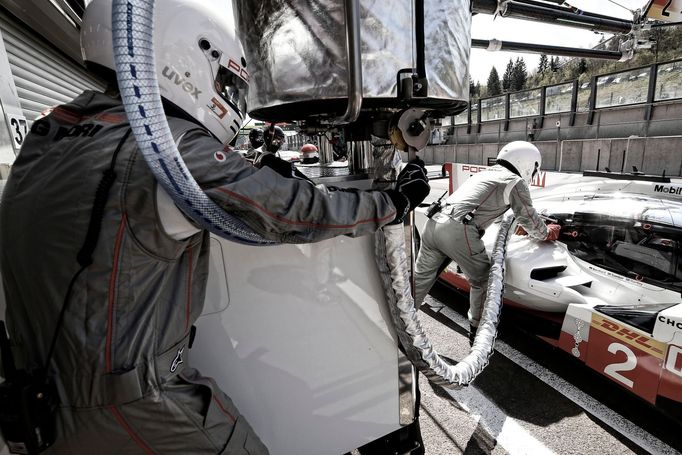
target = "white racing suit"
x: 447, y: 236
x: 121, y: 363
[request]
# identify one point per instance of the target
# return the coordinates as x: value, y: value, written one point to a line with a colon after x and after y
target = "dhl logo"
x: 629, y: 336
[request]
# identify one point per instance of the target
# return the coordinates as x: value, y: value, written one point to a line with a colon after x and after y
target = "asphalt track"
x: 530, y: 399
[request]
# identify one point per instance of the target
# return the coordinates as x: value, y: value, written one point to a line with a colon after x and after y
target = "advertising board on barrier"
x: 543, y: 180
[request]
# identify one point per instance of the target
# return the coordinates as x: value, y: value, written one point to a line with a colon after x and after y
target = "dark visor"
x: 232, y: 89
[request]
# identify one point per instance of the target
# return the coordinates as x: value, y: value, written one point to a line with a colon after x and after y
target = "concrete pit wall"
x: 651, y: 155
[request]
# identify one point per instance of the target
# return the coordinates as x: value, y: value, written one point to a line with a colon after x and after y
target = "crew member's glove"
x: 410, y: 190
x: 420, y: 162
x: 553, y: 231
x: 283, y: 168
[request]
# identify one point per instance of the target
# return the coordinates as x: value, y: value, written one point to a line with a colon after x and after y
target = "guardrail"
x: 646, y: 87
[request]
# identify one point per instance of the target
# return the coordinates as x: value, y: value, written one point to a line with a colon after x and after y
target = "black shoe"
x: 472, y: 334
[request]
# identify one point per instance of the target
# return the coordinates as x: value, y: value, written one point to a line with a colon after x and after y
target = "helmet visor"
x: 233, y: 89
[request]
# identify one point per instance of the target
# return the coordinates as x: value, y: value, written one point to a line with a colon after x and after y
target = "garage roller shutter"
x: 44, y: 77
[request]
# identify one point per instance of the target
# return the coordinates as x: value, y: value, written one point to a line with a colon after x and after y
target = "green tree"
x: 581, y: 67
x: 543, y: 64
x: 493, y: 87
x: 519, y: 75
x: 507, y: 76
x: 666, y: 47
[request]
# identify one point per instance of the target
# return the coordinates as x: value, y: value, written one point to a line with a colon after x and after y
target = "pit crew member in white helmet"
x: 455, y: 232
x: 121, y: 362
x: 309, y: 154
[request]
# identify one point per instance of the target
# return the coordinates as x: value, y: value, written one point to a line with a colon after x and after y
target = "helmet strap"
x: 507, y: 165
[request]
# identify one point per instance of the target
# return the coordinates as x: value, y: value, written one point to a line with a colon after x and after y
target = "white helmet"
x: 309, y: 154
x: 524, y: 156
x: 200, y: 63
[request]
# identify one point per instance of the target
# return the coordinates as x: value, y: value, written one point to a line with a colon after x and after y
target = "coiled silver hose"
x: 132, y: 29
x: 394, y: 270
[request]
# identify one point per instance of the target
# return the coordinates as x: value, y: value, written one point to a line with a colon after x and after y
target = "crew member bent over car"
x: 455, y: 232
x: 121, y: 363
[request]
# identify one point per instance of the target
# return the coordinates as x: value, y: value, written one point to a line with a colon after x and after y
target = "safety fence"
x: 645, y: 87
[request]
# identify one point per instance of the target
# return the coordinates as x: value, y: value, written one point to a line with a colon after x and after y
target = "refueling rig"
x: 334, y: 353
x: 322, y: 358
x: 319, y: 344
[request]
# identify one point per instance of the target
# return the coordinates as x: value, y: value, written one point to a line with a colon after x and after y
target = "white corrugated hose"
x: 393, y: 268
x: 132, y: 29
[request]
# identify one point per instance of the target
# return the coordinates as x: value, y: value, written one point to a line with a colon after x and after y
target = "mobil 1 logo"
x: 668, y: 189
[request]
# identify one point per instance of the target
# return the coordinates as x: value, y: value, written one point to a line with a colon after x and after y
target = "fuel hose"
x: 132, y: 33
x: 393, y: 268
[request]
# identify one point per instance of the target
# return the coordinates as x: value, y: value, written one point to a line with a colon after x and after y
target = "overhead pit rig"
x: 634, y: 31
x: 325, y: 368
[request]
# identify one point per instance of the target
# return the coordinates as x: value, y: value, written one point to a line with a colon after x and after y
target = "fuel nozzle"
x: 410, y: 128
x: 417, y: 127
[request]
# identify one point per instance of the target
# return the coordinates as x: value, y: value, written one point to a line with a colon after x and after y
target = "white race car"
x: 611, y: 285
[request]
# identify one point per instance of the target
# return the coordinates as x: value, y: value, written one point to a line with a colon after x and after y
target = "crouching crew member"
x: 455, y: 233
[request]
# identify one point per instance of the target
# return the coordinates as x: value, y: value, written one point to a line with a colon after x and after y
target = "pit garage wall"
x: 34, y: 74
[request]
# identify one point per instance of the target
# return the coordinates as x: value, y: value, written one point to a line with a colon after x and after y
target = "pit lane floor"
x: 530, y: 399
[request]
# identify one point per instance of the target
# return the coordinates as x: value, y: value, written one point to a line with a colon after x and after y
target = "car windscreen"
x: 639, y: 249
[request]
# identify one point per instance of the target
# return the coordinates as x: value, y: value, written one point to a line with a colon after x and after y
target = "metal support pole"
x: 651, y: 92
x: 354, y: 63
x: 506, y: 113
x: 543, y: 103
x: 557, y: 16
x: 574, y: 102
x: 559, y: 146
x: 469, y: 117
x: 546, y: 49
x: 593, y: 99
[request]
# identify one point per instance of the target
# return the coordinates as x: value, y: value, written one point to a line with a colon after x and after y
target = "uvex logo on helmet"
x: 186, y: 85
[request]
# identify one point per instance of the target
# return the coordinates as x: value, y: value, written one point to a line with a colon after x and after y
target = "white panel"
x: 305, y: 349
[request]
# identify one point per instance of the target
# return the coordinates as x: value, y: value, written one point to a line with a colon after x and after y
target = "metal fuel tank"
x: 298, y: 56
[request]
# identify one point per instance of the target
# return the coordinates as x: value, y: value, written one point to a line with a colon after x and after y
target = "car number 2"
x: 630, y: 364
x: 628, y: 357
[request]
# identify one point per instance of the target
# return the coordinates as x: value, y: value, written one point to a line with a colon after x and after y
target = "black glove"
x: 283, y: 168
x: 410, y: 190
x: 420, y: 162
